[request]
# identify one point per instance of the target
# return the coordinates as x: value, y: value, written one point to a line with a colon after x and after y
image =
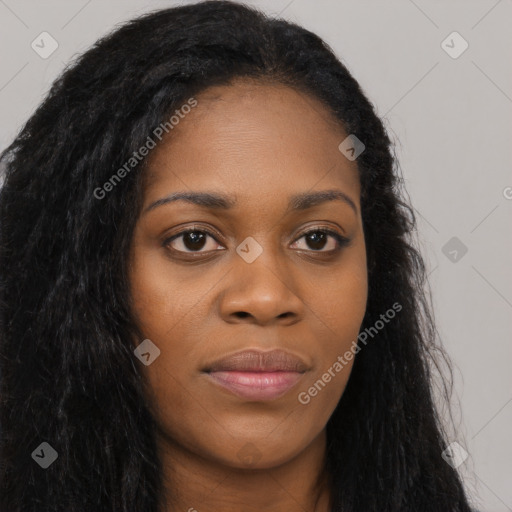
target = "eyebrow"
x: 217, y: 201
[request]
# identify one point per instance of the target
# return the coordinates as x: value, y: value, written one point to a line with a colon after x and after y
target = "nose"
x: 263, y: 292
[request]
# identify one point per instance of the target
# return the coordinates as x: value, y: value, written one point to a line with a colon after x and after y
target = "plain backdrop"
x: 450, y: 116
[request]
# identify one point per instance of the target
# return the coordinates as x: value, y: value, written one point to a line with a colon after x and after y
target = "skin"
x: 259, y: 143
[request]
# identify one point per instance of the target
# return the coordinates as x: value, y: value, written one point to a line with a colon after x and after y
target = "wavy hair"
x: 68, y: 372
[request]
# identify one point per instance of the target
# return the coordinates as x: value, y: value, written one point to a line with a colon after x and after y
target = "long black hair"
x: 68, y: 372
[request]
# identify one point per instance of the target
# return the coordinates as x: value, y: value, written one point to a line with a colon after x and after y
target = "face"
x: 268, y: 265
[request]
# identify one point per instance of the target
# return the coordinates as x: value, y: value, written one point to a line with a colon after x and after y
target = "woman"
x: 209, y: 295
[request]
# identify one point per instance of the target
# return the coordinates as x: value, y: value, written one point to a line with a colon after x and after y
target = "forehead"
x: 251, y: 136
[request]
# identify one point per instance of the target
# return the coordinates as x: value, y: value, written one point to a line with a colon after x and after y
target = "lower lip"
x: 257, y: 385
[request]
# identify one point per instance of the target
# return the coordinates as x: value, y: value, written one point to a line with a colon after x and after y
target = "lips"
x: 257, y: 361
x: 257, y: 376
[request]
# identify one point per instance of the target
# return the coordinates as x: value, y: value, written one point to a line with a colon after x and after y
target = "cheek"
x: 340, y: 305
x: 340, y: 302
x: 344, y: 302
x: 165, y: 309
x: 162, y: 299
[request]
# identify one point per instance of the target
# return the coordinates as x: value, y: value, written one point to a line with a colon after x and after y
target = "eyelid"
x: 193, y: 228
x: 325, y: 229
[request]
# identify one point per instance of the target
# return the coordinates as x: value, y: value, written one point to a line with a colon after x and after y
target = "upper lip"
x: 259, y: 361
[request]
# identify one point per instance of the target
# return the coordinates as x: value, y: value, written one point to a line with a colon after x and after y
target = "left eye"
x: 317, y: 239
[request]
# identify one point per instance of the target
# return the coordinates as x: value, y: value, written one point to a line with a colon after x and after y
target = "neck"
x: 193, y: 483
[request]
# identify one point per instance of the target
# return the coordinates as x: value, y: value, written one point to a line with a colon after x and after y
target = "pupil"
x: 197, y: 240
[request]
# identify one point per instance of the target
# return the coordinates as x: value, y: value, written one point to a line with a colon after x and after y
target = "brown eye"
x: 191, y: 241
x: 318, y: 239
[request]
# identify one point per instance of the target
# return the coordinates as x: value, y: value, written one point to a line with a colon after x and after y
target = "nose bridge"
x: 260, y: 284
x: 260, y: 265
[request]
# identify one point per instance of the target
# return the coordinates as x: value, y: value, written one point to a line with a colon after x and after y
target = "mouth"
x: 256, y: 375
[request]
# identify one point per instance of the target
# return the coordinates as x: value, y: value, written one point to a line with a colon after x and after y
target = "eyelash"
x: 340, y: 239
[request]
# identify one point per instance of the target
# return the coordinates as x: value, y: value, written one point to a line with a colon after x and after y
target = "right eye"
x: 191, y: 241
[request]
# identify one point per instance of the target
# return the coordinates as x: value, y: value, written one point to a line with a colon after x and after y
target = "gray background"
x: 451, y: 121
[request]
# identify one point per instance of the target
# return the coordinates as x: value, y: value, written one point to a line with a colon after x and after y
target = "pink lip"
x: 258, y: 386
